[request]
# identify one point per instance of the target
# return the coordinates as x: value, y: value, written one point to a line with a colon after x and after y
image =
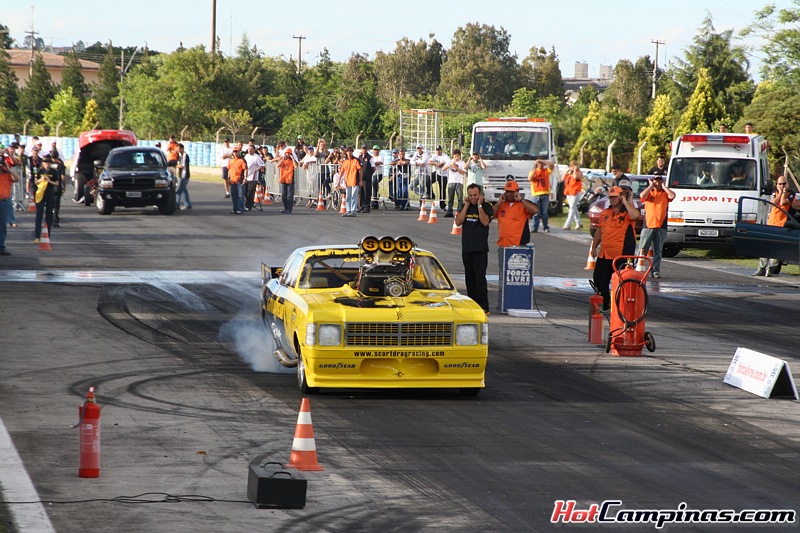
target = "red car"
x: 638, y: 184
x: 93, y: 148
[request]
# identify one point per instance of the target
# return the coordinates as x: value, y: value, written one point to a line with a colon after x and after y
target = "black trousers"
x: 249, y: 193
x: 601, y: 276
x: 475, y: 264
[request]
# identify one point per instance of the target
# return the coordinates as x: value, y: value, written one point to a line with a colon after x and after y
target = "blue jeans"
x: 352, y: 199
x: 542, y: 201
x: 287, y: 195
x: 237, y: 197
x: 183, y: 191
x: 656, y: 238
x: 6, y: 210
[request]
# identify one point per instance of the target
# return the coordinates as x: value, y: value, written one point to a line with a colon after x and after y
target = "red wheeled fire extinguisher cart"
x: 626, y: 335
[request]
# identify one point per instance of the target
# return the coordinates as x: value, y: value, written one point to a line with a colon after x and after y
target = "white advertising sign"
x: 761, y: 374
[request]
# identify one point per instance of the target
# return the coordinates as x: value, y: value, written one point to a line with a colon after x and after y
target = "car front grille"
x: 134, y: 184
x: 399, y: 334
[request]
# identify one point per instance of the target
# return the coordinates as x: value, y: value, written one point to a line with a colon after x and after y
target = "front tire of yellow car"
x: 302, y: 381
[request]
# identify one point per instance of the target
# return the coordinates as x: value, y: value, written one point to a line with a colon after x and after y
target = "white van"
x: 709, y: 172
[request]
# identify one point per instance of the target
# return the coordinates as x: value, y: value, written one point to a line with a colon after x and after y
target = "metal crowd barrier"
x: 397, y: 187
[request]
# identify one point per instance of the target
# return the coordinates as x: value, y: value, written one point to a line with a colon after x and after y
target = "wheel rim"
x: 301, y: 373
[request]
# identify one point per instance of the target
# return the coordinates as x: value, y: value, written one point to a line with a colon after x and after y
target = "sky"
x: 598, y: 33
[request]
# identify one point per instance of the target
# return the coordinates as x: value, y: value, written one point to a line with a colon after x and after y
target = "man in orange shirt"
x: 616, y: 236
x: 7, y: 179
x: 512, y: 213
x: 172, y: 155
x: 656, y: 198
x: 236, y: 171
x: 540, y: 192
x: 787, y: 200
x: 349, y: 171
x: 286, y: 166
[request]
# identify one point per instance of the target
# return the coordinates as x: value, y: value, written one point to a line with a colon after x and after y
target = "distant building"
x: 573, y: 86
x: 21, y: 65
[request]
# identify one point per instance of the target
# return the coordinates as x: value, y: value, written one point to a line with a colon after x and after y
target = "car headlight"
x: 323, y: 335
x: 330, y: 335
x: 467, y: 335
x: 105, y: 182
x: 161, y: 183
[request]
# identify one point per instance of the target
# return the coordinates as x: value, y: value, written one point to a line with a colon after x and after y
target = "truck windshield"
x: 511, y: 143
x: 712, y: 173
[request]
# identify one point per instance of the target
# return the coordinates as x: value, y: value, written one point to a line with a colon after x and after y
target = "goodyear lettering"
x: 395, y: 353
x: 337, y: 365
x: 462, y: 365
x: 720, y: 199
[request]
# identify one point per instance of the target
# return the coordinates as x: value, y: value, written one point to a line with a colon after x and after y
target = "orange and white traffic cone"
x: 433, y: 218
x: 44, y: 240
x: 304, y: 448
x: 641, y: 264
x: 259, y: 194
x: 423, y: 216
x: 343, y: 204
x: 320, y: 202
x: 31, y: 205
x: 591, y: 261
x: 456, y: 230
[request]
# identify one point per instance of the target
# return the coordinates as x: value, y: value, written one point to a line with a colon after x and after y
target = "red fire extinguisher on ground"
x: 626, y: 336
x: 89, y: 437
x: 596, y: 318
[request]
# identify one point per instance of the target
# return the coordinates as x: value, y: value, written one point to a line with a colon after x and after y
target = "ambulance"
x: 509, y: 146
x: 709, y: 172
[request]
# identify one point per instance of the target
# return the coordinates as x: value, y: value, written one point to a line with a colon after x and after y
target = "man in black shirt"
x: 474, y: 218
x: 661, y: 167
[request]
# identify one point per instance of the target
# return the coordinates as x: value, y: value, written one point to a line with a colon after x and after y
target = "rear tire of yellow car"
x: 302, y: 381
x: 469, y: 391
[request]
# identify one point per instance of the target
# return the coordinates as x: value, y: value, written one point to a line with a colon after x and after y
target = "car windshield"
x: 327, y: 272
x: 712, y: 173
x: 511, y: 143
x: 133, y: 159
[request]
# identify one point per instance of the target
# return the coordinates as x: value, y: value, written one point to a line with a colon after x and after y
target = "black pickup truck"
x: 135, y: 176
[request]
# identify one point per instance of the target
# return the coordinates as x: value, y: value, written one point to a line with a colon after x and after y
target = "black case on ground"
x: 271, y: 486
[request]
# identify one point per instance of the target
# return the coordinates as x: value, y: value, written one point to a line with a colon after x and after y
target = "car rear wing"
x: 267, y: 273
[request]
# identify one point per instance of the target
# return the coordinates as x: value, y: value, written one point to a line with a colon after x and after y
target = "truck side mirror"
x: 560, y: 140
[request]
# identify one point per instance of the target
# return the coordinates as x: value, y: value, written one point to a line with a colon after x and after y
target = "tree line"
x: 194, y: 93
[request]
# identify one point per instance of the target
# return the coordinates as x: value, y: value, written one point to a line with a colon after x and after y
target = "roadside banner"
x: 761, y: 374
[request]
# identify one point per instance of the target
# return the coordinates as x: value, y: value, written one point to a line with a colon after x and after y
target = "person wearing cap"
x: 7, y: 180
x: 438, y: 161
x: 286, y: 166
x: 349, y: 172
x: 422, y: 178
x: 172, y: 155
x: 512, y: 213
x: 474, y: 219
x: 299, y: 148
x: 48, y: 179
x: 616, y: 236
x: 377, y: 161
x: 539, y: 177
x: 656, y: 198
x: 402, y: 167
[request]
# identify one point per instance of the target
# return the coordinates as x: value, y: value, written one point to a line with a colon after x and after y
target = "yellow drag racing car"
x: 383, y: 314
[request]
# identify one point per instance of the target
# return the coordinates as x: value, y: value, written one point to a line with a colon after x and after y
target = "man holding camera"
x: 656, y: 198
x: 540, y: 192
x: 616, y: 236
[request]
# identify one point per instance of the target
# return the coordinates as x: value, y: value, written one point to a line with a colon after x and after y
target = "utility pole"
x: 32, y: 34
x: 213, y: 27
x: 655, y: 65
x: 299, y: 50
